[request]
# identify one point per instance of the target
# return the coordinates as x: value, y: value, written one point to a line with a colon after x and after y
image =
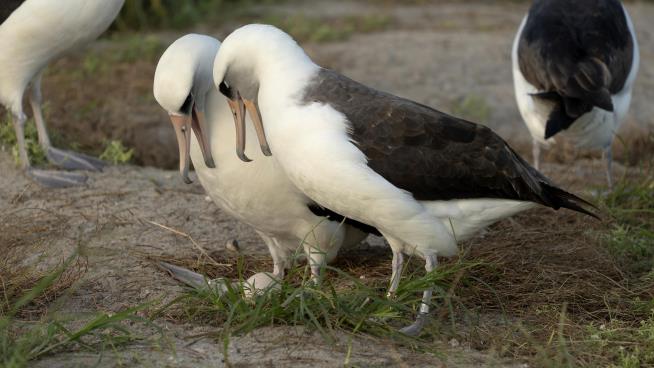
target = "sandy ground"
x: 435, y: 54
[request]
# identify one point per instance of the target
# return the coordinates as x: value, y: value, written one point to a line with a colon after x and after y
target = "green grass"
x: 8, y: 140
x: 115, y: 153
x: 631, y: 236
x: 626, y: 340
x: 314, y: 29
x: 340, y: 303
x: 176, y: 14
x: 23, y: 341
x: 472, y: 108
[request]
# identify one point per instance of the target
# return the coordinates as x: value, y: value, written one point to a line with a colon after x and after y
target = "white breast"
x: 258, y: 192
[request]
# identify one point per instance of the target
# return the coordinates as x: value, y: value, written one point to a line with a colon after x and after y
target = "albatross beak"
x: 201, y: 133
x: 239, y: 106
x: 253, y: 109
x: 182, y: 125
x: 238, y: 111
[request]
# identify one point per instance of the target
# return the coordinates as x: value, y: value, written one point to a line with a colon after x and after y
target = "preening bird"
x: 32, y: 34
x: 425, y: 180
x: 257, y: 193
x: 574, y: 67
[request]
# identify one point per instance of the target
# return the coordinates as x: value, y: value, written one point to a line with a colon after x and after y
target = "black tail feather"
x: 559, y: 198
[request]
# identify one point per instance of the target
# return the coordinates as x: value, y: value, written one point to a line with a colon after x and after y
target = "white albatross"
x: 424, y: 179
x: 574, y: 67
x: 257, y: 193
x: 32, y: 34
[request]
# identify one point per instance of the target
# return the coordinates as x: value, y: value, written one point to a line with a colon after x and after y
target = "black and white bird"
x: 32, y: 34
x: 258, y: 193
x: 574, y: 67
x: 425, y: 180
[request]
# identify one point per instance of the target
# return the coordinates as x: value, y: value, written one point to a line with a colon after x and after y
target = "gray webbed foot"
x: 193, y: 279
x: 417, y: 326
x: 74, y: 161
x: 57, y: 179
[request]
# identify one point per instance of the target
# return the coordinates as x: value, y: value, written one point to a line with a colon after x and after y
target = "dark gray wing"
x: 578, y: 53
x: 7, y: 7
x: 428, y: 153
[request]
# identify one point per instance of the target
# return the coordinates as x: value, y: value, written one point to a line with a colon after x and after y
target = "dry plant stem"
x: 198, y: 246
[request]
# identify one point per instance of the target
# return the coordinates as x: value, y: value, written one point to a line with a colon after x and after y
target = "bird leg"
x: 317, y: 262
x: 535, y: 151
x: 60, y: 158
x: 423, y: 315
x: 19, y: 127
x: 49, y: 179
x: 608, y: 155
x: 278, y: 253
x: 36, y: 99
x: 398, y: 262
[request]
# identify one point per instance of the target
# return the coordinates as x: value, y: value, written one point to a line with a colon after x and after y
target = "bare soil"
x: 128, y: 217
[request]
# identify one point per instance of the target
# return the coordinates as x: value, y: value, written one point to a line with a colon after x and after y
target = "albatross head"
x: 249, y: 57
x: 181, y: 84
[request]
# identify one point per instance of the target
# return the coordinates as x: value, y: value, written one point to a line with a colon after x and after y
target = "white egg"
x: 260, y: 283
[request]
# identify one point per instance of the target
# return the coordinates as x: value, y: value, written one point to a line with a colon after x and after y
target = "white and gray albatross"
x: 32, y: 34
x: 574, y: 67
x: 423, y: 179
x: 257, y: 193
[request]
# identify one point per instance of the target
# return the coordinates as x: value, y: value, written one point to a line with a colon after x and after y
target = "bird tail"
x: 587, y: 87
x: 558, y: 198
x: 592, y: 79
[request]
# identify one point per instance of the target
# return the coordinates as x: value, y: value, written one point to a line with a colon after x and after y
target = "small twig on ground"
x: 190, y: 238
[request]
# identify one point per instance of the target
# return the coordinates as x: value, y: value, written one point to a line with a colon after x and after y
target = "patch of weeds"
x: 35, y: 152
x: 93, y: 64
x: 631, y: 236
x: 134, y: 47
x: 116, y: 153
x: 624, y: 344
x: 339, y: 303
x: 473, y: 108
x: 312, y: 29
x: 23, y: 341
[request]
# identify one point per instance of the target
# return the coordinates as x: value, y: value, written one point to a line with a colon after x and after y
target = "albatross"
x: 574, y: 67
x: 32, y: 34
x: 257, y: 193
x: 425, y: 180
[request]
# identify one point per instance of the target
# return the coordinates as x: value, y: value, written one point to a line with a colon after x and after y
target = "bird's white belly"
x: 466, y: 217
x: 257, y: 193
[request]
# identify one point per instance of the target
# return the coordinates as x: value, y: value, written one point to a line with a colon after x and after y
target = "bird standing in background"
x: 425, y: 180
x: 32, y: 34
x: 574, y: 67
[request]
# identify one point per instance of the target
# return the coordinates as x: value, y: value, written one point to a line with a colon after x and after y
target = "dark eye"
x: 225, y: 89
x: 188, y: 104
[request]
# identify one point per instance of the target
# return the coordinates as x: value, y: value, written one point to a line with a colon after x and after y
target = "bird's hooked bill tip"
x: 210, y: 163
x: 242, y: 156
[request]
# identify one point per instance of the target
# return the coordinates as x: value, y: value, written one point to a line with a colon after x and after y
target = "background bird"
x: 423, y: 179
x: 574, y: 67
x: 32, y: 34
x: 257, y: 193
